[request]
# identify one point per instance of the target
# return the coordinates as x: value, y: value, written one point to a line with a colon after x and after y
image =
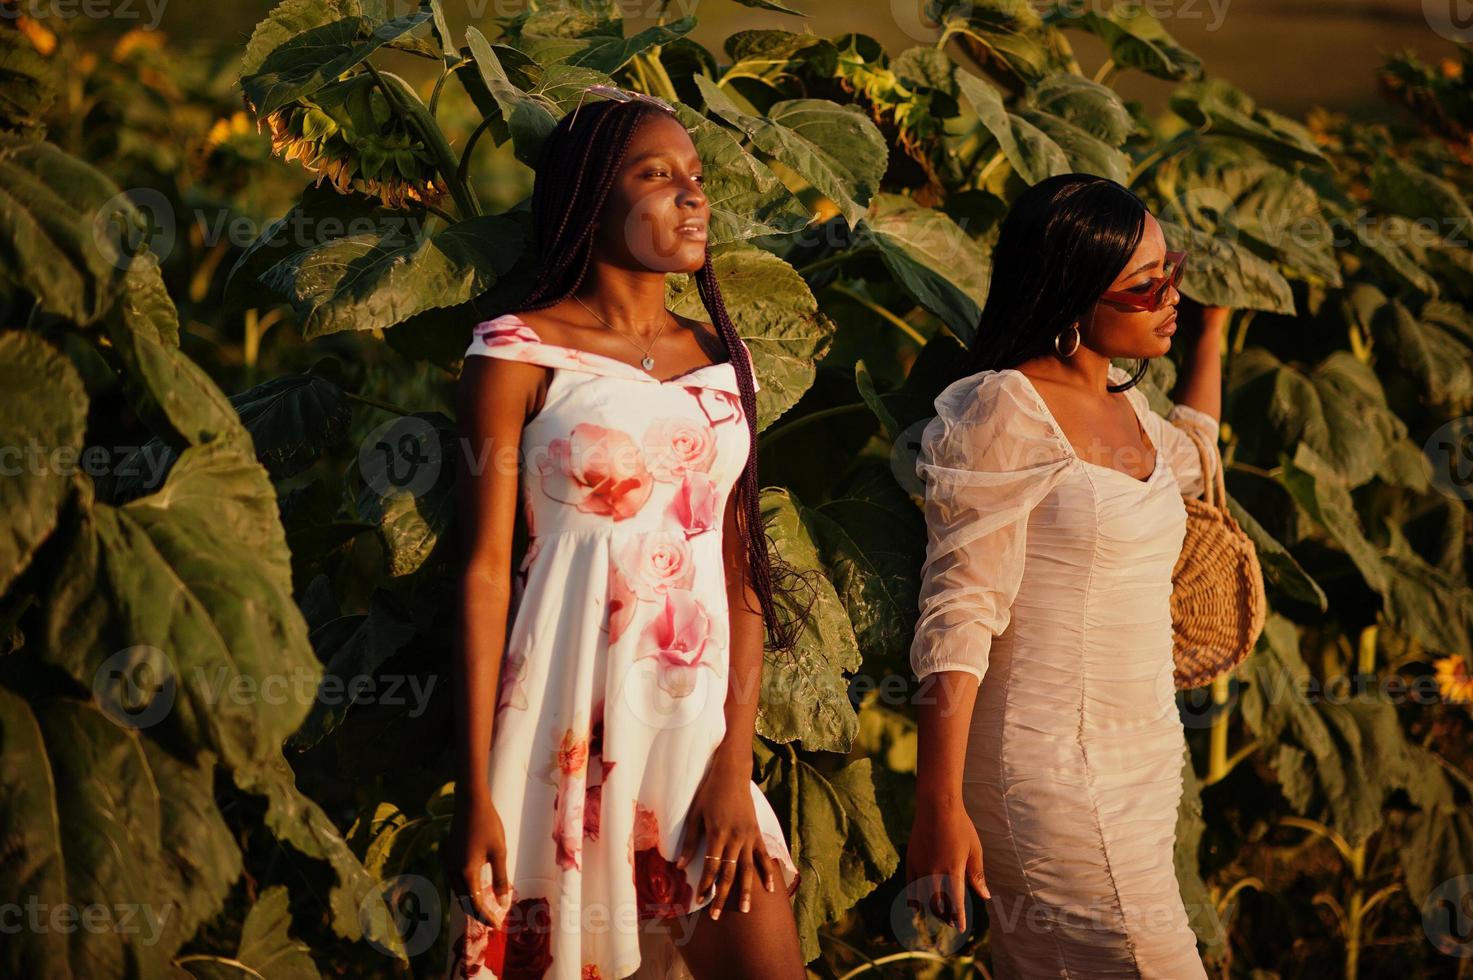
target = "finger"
x: 500, y: 884
x: 746, y: 876
x: 714, y: 849
x: 956, y: 892
x: 724, y: 880
x: 766, y: 866
x: 691, y: 836
x: 975, y: 876
x: 467, y: 888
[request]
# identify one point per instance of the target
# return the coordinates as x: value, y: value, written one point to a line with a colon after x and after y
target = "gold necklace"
x: 649, y: 362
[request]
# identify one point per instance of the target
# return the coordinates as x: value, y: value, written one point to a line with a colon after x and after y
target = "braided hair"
x: 578, y: 164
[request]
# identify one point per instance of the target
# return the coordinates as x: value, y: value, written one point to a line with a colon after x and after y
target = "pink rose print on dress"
x: 646, y: 833
x: 597, y: 469
x: 622, y: 600
x: 654, y: 563
x: 592, y: 811
x: 675, y: 445
x: 494, y: 333
x: 567, y: 823
x: 694, y: 506
x: 661, y: 889
x: 719, y: 406
x: 678, y: 638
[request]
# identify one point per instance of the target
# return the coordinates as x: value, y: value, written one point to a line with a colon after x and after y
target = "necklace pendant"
x: 648, y: 362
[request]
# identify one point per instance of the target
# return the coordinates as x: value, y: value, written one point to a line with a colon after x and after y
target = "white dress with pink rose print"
x: 613, y: 683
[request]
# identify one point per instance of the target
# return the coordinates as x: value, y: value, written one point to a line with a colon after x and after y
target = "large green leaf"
x: 1222, y: 272
x: 836, y: 834
x: 1190, y: 826
x: 45, y: 411
x: 1338, y: 409
x: 98, y: 817
x: 872, y: 541
x: 1133, y: 37
x: 932, y: 257
x: 1087, y: 104
x: 266, y: 947
x: 775, y: 314
x: 1085, y: 152
x: 1438, y: 358
x: 805, y: 696
x: 1419, y: 598
x: 835, y: 148
x: 67, y: 234
x: 1028, y: 150
x: 304, y: 44
x: 28, y: 84
x: 402, y: 485
x: 746, y: 198
x: 296, y: 820
x: 1337, y: 758
x: 387, y: 272
x: 194, y: 581
x: 1010, y: 31
x: 1217, y: 106
x: 293, y: 420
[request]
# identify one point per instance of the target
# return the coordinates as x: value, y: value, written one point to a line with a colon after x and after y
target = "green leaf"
x: 1222, y: 272
x: 266, y: 946
x: 1338, y: 758
x: 805, y: 696
x: 1028, y: 150
x: 771, y: 5
x: 835, y: 148
x: 387, y: 272
x: 98, y: 816
x: 1010, y: 31
x: 307, y: 58
x: 872, y: 540
x: 1217, y: 106
x: 1086, y: 152
x: 1086, y: 104
x: 194, y: 580
x: 352, y: 646
x: 28, y: 84
x: 299, y: 822
x: 1190, y: 826
x: 775, y: 314
x: 45, y: 409
x: 293, y: 421
x: 402, y: 484
x: 746, y: 198
x: 1280, y: 570
x: 932, y: 257
x: 1441, y: 360
x: 67, y: 234
x: 836, y: 834
x: 1134, y: 39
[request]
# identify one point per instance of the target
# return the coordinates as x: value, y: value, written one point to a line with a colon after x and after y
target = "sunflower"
x: 1453, y: 681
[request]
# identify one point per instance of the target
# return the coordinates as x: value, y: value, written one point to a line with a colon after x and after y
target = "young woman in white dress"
x: 606, y: 823
x: 1050, y: 746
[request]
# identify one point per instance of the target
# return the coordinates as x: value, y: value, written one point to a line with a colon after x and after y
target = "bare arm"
x: 1200, y: 383
x: 747, y: 640
x: 944, y: 703
x: 492, y: 402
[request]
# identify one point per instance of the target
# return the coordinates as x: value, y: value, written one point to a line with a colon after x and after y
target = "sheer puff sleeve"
x: 1169, y: 437
x: 990, y: 455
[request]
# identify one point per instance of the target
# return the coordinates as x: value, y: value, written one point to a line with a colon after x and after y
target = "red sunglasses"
x: 1149, y: 295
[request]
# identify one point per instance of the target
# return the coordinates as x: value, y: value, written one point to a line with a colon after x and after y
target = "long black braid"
x: 578, y: 163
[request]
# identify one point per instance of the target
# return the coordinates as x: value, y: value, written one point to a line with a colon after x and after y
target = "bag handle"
x: 1218, y: 498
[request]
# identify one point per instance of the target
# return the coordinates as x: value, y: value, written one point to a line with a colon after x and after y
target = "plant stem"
x: 824, y: 263
x: 416, y: 116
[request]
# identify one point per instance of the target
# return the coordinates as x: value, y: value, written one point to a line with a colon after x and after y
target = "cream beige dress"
x: 1048, y: 577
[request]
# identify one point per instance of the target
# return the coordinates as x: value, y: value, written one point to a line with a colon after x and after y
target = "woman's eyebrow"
x: 656, y: 153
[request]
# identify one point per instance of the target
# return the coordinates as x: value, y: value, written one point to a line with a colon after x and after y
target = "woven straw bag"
x: 1217, y: 603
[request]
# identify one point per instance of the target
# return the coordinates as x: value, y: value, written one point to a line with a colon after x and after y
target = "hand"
x: 476, y: 838
x: 735, y: 851
x: 944, y: 851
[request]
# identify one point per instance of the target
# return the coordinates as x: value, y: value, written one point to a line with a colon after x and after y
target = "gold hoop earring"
x: 1058, y: 350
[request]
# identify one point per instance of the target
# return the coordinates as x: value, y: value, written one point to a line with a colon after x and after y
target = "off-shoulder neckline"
x: 584, y: 357
x: 1058, y: 430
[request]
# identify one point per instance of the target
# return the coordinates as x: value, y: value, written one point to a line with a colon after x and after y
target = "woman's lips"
x: 1168, y: 328
x: 692, y: 231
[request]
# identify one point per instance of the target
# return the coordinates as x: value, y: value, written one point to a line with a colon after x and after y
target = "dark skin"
x: 945, y: 854
x: 638, y: 242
